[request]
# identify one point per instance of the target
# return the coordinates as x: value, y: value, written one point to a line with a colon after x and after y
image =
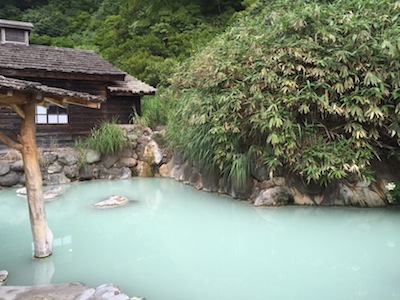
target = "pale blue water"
x: 176, y: 243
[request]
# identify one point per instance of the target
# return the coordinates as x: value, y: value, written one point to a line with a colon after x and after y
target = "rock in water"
x: 3, y: 276
x: 21, y: 191
x: 48, y: 195
x: 52, y: 193
x: 112, y: 201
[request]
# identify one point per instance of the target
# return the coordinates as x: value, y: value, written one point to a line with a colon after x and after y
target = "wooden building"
x: 71, y: 69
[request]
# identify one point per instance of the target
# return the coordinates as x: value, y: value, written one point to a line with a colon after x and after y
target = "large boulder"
x: 210, y: 181
x: 183, y: 173
x: 65, y: 291
x: 10, y: 179
x: 56, y: 178
x: 18, y: 166
x: 127, y: 162
x: 86, y: 172
x: 112, y: 201
x: 54, y: 168
x: 92, y: 156
x: 4, y: 168
x: 3, y: 277
x: 360, y: 193
x: 71, y: 171
x: 152, y: 154
x: 115, y: 173
x: 110, y: 160
x: 165, y: 170
x: 68, y: 157
x: 48, y: 158
x: 275, y: 196
x: 260, y: 172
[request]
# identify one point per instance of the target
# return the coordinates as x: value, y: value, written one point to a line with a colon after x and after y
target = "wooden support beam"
x: 42, y: 235
x: 18, y: 110
x: 54, y: 101
x: 9, y: 141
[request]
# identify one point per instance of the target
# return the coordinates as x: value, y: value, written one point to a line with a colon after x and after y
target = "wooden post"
x: 42, y: 235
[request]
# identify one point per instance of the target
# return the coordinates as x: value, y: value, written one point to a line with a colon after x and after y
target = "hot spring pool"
x: 176, y: 243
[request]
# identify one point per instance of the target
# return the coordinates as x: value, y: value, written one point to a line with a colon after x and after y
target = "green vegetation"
x: 155, y: 110
x: 143, y: 38
x: 308, y: 87
x: 107, y: 138
x: 392, y: 192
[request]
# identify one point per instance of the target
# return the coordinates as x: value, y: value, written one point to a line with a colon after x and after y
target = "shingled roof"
x: 55, y: 59
x: 130, y: 86
x: 7, y: 84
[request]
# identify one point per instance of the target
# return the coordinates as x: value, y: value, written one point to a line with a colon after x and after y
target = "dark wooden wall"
x: 80, y: 119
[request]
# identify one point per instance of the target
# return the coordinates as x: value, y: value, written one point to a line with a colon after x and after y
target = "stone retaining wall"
x: 145, y: 157
x: 142, y: 158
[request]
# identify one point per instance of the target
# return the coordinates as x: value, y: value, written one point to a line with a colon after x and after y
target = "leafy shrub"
x: 107, y: 138
x: 155, y: 110
x: 393, y: 193
x: 309, y: 87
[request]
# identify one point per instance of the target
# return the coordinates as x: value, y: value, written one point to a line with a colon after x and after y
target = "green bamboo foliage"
x: 311, y: 87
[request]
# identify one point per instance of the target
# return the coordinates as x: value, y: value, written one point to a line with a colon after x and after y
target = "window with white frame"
x: 52, y: 115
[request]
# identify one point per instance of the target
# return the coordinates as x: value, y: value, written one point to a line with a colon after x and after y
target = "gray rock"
x: 108, y: 173
x: 195, y: 180
x: 22, y: 179
x: 178, y: 158
x: 344, y: 193
x: 260, y: 172
x: 127, y: 162
x: 10, y: 179
x: 210, y: 181
x: 4, y: 168
x: 53, y: 179
x: 124, y: 173
x: 92, y: 156
x: 54, y: 168
x: 18, y: 166
x: 87, y: 294
x: 184, y: 173
x: 273, y: 197
x: 68, y: 157
x: 132, y: 138
x: 49, y: 158
x: 64, y: 291
x: 127, y: 152
x: 71, y: 171
x: 178, y: 172
x: 242, y: 192
x: 109, y: 292
x: 86, y: 172
x: 110, y: 160
x: 3, y: 276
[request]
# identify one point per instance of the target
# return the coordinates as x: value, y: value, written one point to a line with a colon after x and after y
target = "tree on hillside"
x: 140, y: 37
x: 306, y: 87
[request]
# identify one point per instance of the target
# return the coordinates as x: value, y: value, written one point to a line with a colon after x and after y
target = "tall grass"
x: 155, y: 110
x: 107, y: 138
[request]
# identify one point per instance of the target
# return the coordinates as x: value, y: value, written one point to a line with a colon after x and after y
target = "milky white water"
x: 176, y: 243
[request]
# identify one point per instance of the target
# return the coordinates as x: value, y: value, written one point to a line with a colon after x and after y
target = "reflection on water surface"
x: 174, y: 242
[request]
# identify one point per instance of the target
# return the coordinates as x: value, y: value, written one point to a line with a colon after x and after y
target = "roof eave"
x: 40, y: 73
